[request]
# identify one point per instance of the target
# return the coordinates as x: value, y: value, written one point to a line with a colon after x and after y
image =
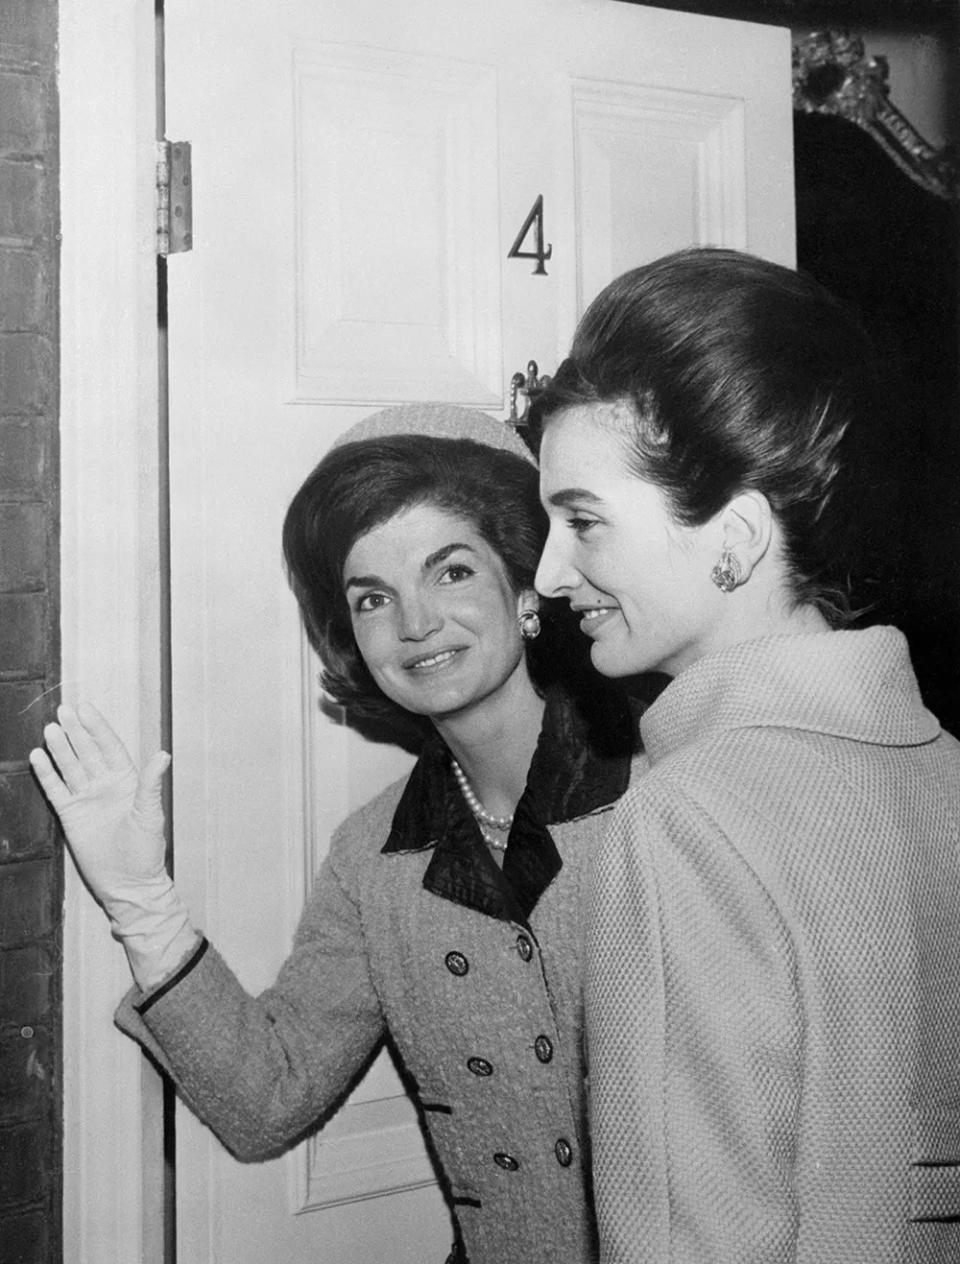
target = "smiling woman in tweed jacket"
x: 447, y: 917
x: 773, y: 997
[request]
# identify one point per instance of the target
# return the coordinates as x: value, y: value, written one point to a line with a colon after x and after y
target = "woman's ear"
x: 529, y: 599
x: 747, y: 526
x: 528, y: 618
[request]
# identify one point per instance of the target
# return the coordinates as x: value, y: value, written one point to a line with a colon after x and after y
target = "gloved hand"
x: 113, y: 821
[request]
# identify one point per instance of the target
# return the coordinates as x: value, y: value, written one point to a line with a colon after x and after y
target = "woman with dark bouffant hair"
x: 447, y: 916
x: 364, y: 482
x: 773, y: 972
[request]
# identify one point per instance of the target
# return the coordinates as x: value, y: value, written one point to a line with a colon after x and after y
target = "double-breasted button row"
x: 542, y: 1047
x: 562, y: 1149
x: 457, y: 963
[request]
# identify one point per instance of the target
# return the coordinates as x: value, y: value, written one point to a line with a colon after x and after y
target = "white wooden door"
x: 361, y: 169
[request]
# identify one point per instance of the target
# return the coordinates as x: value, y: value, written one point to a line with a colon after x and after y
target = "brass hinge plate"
x: 174, y: 197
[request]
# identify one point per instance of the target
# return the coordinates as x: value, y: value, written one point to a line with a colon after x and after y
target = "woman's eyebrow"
x: 442, y: 554
x: 573, y: 495
x: 363, y: 581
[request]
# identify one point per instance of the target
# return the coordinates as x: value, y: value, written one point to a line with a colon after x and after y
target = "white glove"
x: 113, y: 821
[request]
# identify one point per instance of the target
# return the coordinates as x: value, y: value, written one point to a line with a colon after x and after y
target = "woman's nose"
x: 555, y: 576
x: 418, y: 619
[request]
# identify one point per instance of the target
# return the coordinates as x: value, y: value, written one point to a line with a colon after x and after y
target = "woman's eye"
x: 455, y: 573
x: 581, y: 525
x: 370, y: 601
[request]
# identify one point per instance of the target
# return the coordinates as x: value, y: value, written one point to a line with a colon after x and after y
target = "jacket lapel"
x: 568, y: 778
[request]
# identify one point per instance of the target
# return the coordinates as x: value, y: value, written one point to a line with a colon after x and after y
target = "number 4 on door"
x: 535, y: 221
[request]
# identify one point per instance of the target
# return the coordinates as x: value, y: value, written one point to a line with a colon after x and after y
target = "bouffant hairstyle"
x: 360, y: 485
x: 740, y: 375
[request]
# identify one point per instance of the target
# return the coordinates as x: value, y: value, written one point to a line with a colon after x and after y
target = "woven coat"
x: 474, y: 973
x: 773, y: 990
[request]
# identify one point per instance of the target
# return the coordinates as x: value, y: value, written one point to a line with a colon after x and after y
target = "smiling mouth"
x: 432, y: 661
x: 593, y: 617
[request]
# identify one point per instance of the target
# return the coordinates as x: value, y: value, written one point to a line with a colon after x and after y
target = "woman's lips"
x: 593, y: 618
x: 431, y: 662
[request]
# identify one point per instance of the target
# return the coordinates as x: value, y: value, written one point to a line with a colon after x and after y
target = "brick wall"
x: 30, y: 861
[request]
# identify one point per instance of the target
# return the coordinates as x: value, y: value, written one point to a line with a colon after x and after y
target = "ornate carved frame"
x: 832, y: 75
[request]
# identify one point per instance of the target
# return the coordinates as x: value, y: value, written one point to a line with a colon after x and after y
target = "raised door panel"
x: 656, y: 170
x: 398, y: 273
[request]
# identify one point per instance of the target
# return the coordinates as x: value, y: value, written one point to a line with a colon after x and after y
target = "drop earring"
x: 728, y: 573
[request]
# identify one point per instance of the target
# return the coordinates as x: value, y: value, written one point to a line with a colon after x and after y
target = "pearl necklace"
x: 479, y: 812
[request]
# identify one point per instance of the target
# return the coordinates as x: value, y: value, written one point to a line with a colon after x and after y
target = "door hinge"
x: 174, y: 197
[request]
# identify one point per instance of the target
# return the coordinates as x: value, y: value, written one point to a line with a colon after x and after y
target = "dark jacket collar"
x: 571, y: 774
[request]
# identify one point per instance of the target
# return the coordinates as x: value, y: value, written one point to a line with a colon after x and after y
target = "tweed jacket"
x: 773, y: 978
x: 474, y: 974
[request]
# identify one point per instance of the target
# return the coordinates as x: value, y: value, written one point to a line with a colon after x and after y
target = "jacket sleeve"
x: 695, y: 1042
x: 261, y: 1070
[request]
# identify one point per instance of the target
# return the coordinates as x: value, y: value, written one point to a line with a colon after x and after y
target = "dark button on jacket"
x: 543, y: 1048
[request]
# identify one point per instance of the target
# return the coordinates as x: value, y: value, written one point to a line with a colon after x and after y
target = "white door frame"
x: 110, y: 622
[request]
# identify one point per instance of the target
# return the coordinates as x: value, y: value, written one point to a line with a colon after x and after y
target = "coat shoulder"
x: 365, y: 830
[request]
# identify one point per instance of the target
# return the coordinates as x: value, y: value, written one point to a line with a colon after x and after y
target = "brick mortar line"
x: 14, y: 61
x: 18, y: 1210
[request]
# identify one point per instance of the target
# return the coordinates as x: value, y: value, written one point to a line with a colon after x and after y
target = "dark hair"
x: 742, y: 375
x: 359, y: 486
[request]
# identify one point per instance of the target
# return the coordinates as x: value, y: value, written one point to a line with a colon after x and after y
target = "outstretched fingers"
x: 91, y: 738
x: 65, y: 757
x: 115, y: 755
x: 51, y: 783
x: 83, y: 749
